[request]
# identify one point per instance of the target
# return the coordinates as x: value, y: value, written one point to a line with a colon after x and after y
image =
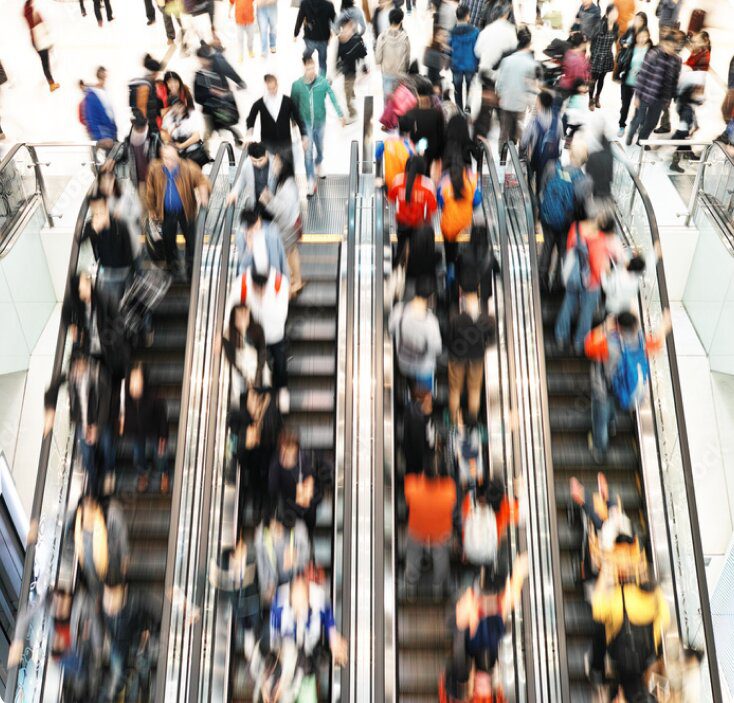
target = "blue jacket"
x: 99, y: 124
x: 463, y: 38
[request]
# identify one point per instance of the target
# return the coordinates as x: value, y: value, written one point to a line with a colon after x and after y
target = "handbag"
x: 41, y: 36
x: 197, y: 153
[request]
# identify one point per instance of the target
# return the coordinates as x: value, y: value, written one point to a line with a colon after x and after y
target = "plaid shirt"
x: 658, y: 77
x: 602, y: 59
x: 476, y: 14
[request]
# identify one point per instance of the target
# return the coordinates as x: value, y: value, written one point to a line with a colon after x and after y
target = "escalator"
x: 417, y: 628
x: 317, y: 354
x: 152, y: 515
x: 633, y: 464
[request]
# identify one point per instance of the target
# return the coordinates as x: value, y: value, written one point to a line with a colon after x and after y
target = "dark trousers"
x: 168, y: 24
x: 279, y: 354
x: 45, y: 64
x: 650, y: 117
x: 596, y: 85
x: 461, y: 78
x: 404, y: 234
x: 628, y: 92
x: 171, y: 223
x: 149, y: 10
x: 552, y: 239
x: 98, y: 9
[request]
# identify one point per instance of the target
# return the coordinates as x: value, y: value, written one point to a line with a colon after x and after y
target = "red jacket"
x: 422, y: 203
x: 699, y: 60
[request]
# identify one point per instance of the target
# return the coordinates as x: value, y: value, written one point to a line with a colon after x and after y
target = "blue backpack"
x: 576, y: 269
x: 557, y: 204
x: 631, y: 374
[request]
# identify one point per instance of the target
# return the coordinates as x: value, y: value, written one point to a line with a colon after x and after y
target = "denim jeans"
x: 580, y: 304
x: 440, y: 554
x: 320, y: 47
x: 116, y: 679
x: 461, y: 78
x: 315, y: 136
x: 143, y: 447
x: 105, y: 446
x: 645, y: 119
x: 603, y: 414
x: 267, y: 22
x: 388, y: 85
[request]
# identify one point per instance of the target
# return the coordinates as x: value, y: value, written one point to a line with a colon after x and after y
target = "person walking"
x: 668, y: 12
x: 655, y: 87
x: 587, y: 19
x: 211, y: 91
x: 98, y: 113
x: 392, y: 52
x: 634, y: 47
x: 309, y: 94
x: 41, y: 40
x: 244, y: 17
x: 516, y: 87
x: 173, y: 187
x: 602, y: 58
x: 350, y: 12
x: 267, y: 24
x: 277, y: 113
x: 351, y: 50
x: 463, y: 60
x: 316, y: 17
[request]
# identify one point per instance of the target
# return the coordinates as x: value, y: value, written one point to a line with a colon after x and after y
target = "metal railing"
x: 175, y: 655
x: 53, y: 483
x: 545, y: 607
x: 675, y: 498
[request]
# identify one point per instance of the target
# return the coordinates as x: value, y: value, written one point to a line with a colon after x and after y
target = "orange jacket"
x: 596, y: 344
x: 626, y: 10
x: 431, y: 504
x: 244, y: 11
x: 456, y: 214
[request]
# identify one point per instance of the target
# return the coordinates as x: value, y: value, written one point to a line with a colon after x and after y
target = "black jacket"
x: 428, y: 124
x: 111, y: 246
x: 99, y: 396
x: 141, y: 611
x: 146, y: 416
x: 348, y: 53
x: 316, y: 16
x: 419, y: 442
x: 600, y: 167
x: 282, y: 486
x: 276, y: 133
x: 468, y: 338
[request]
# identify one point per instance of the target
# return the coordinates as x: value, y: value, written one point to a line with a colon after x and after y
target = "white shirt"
x: 273, y: 103
x: 493, y: 41
x: 269, y: 309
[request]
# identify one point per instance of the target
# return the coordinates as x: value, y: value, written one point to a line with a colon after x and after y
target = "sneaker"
x: 143, y: 482
x: 151, y: 21
x: 311, y: 188
x: 53, y: 86
x: 272, y: 49
x: 661, y: 130
x: 320, y: 172
x: 596, y: 102
x: 620, y: 132
x: 675, y: 166
x: 165, y: 483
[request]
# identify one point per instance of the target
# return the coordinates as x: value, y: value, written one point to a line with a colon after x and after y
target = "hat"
x: 260, y: 261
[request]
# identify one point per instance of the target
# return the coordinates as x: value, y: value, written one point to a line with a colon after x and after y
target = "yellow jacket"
x: 643, y: 608
x: 99, y: 542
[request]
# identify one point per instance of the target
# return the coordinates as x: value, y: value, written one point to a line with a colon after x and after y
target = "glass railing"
x: 176, y: 656
x: 58, y: 484
x: 666, y: 461
x: 543, y: 602
x: 18, y: 188
x: 717, y: 177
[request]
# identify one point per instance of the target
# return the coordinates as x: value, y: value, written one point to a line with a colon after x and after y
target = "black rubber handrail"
x: 43, y: 460
x: 225, y: 151
x: 545, y: 421
x: 705, y: 605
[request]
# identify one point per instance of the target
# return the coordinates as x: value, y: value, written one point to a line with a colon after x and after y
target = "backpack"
x: 631, y: 373
x: 576, y: 269
x: 456, y: 213
x: 408, y: 351
x: 480, y: 535
x: 633, y: 647
x: 547, y: 147
x: 557, y: 202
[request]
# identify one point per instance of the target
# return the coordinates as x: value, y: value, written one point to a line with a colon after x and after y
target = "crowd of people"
x: 479, y: 67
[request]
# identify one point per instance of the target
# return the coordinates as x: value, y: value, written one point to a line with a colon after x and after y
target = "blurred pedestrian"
x: 463, y: 61
x: 316, y: 17
x: 602, y: 57
x: 41, y: 40
x: 351, y: 50
x: 244, y: 17
x: 635, y: 46
x: 392, y: 52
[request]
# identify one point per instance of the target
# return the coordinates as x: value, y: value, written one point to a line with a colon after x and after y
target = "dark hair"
x: 456, y: 175
x: 346, y: 4
x: 705, y: 38
x: 462, y: 12
x: 645, y: 29
x: 249, y: 217
x: 405, y: 124
x: 396, y: 16
x: 576, y: 39
x: 627, y: 322
x: 286, y: 170
x: 468, y: 274
x: 204, y: 52
x: 288, y: 437
x: 138, y: 119
x: 256, y: 150
x: 636, y: 264
x: 259, y: 279
x: 270, y: 77
x: 546, y: 99
x: 150, y: 64
x: 307, y: 59
x: 424, y: 287
x: 415, y: 167
x: 577, y: 84
x: 96, y: 195
x: 102, y: 69
x: 644, y: 19
x: 495, y: 493
x: 524, y: 38
x: 606, y: 223
x: 611, y: 6
x: 168, y: 75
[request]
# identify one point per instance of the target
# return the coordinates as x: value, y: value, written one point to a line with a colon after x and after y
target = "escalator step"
x: 317, y: 294
x: 304, y: 401
x: 322, y: 364
x: 312, y: 329
x: 572, y: 451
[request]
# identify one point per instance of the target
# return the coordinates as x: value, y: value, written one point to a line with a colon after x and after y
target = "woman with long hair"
x: 602, y: 57
x: 634, y: 57
x: 415, y: 201
x: 175, y: 87
x: 179, y: 129
x: 284, y: 205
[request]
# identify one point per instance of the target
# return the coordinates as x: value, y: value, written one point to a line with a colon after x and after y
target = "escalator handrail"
x: 705, y: 606
x: 225, y: 151
x: 503, y: 244
x: 699, y: 185
x: 545, y: 421
x: 213, y: 418
x: 43, y: 460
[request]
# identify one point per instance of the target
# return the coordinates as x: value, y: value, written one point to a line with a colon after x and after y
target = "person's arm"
x: 202, y: 184
x: 229, y: 72
x: 334, y: 101
x: 296, y: 116
x: 435, y: 344
x: 252, y: 116
x: 299, y: 21
x: 379, y: 49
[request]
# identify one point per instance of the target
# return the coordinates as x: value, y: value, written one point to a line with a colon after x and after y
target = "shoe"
x: 99, y: 23
x: 596, y: 102
x: 151, y: 21
x: 311, y: 188
x: 620, y: 132
x: 273, y: 50
x: 630, y: 137
x: 592, y: 106
x: 297, y: 290
x: 84, y: 13
x: 142, y: 485
x: 661, y: 130
x: 2, y: 136
x: 252, y: 54
x: 320, y: 172
x: 349, y: 120
x: 675, y: 164
x: 112, y: 19
x: 53, y: 86
x: 165, y: 483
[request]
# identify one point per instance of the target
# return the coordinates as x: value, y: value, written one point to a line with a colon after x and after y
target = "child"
x: 577, y: 109
x: 690, y: 95
x: 351, y: 49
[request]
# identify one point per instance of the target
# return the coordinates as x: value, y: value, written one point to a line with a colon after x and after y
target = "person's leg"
x: 599, y: 87
x: 168, y: 26
x: 107, y: 449
x: 321, y: 49
x: 349, y: 94
x: 262, y: 25
x: 116, y: 675
x: 627, y: 93
x: 309, y: 48
x: 458, y: 79
x: 568, y: 310
x: 187, y: 229
x: 505, y: 126
x: 89, y: 463
x: 169, y: 231
x: 294, y: 264
x: 664, y: 120
x: 46, y: 65
x: 456, y: 373
x: 318, y: 141
x: 598, y: 650
x: 474, y: 376
x: 587, y: 307
x: 637, y: 119
x: 279, y: 352
x: 550, y: 242
x: 651, y: 119
x: 139, y: 456
x: 250, y: 34
x: 108, y: 10
x: 149, y: 11
x: 600, y: 421
x: 441, y: 567
x: 240, y: 31
x: 97, y: 9
x: 413, y: 555
x: 82, y: 8
x: 308, y: 154
x: 273, y: 25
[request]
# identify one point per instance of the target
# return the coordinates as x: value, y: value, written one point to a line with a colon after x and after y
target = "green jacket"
x: 310, y: 99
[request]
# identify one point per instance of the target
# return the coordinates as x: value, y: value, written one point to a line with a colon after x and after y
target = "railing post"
x: 40, y: 184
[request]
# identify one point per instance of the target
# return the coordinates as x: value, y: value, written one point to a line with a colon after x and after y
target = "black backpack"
x: 633, y: 649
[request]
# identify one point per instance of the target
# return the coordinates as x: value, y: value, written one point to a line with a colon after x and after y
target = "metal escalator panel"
x: 317, y: 356
x: 667, y: 476
x: 544, y: 605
